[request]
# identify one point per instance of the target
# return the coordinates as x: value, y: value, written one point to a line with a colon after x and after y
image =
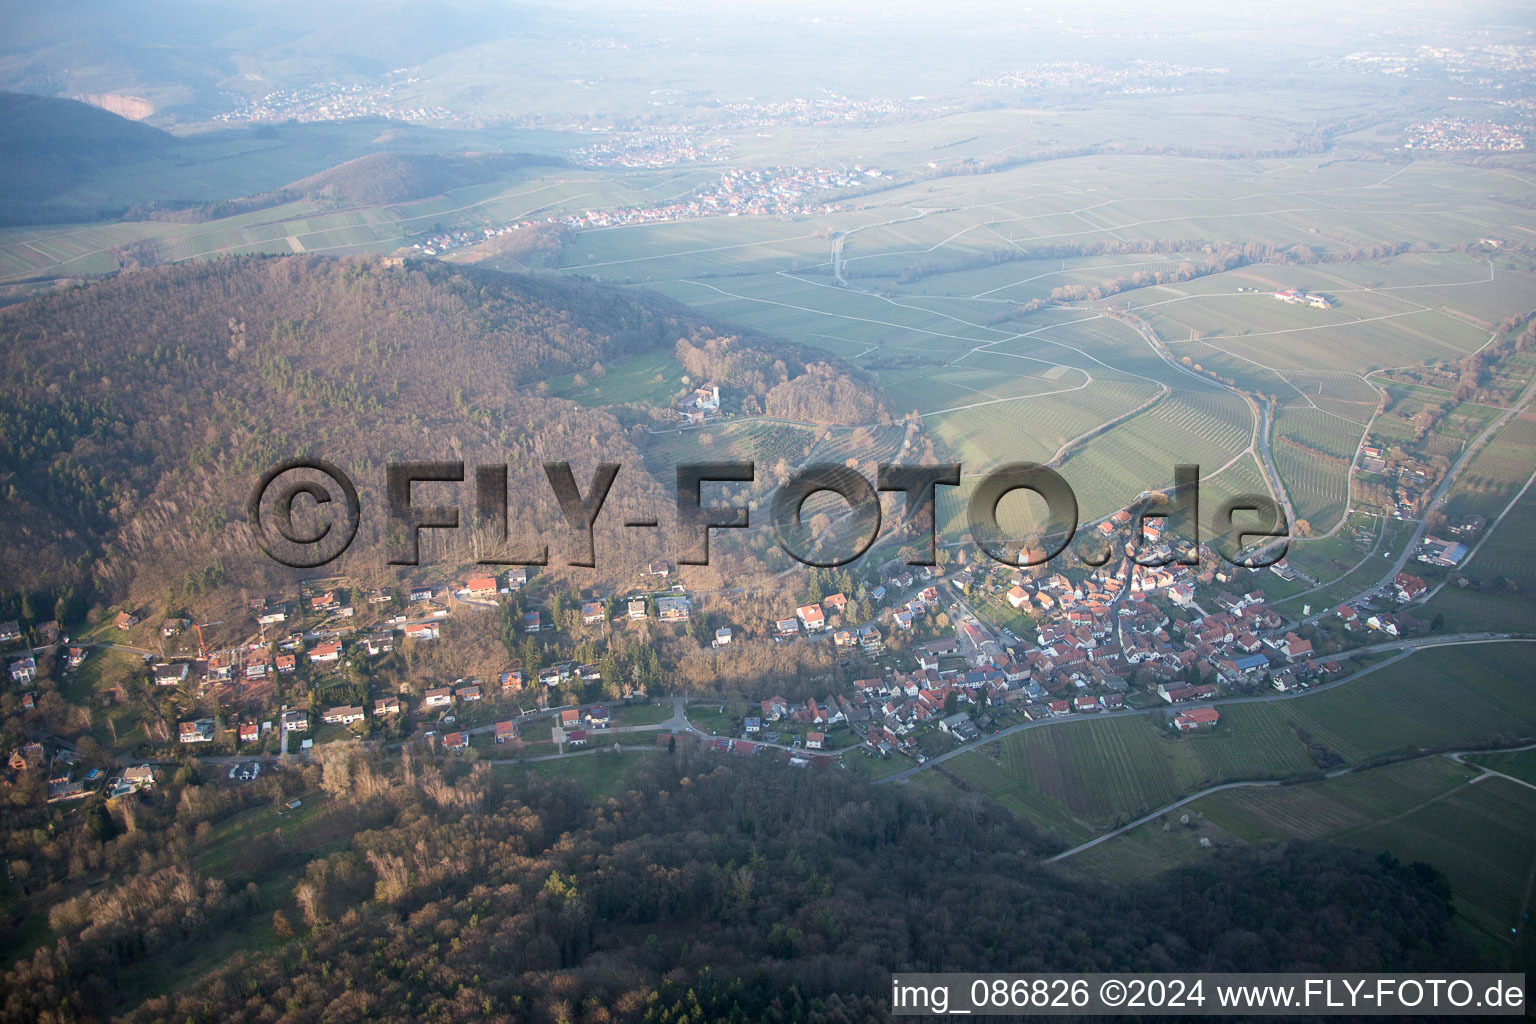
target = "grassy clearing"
x: 640, y: 714
x: 719, y: 719
x: 601, y: 774
x: 874, y: 767
x: 651, y: 378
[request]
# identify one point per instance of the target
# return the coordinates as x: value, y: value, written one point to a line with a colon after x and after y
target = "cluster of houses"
x: 1447, y: 554
x: 1408, y: 587
x: 1405, y: 587
x: 771, y: 191
x: 236, y: 676
x: 67, y: 780
x: 575, y: 727
x: 699, y: 403
x: 1094, y: 637
x: 1299, y: 298
x: 811, y: 617
x: 1409, y: 482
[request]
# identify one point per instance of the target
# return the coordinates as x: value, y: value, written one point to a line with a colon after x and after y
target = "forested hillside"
x: 48, y: 145
x: 136, y: 414
x: 757, y: 892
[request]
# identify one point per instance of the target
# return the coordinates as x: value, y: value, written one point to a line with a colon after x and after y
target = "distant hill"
x: 369, y: 180
x: 49, y: 145
x: 400, y: 177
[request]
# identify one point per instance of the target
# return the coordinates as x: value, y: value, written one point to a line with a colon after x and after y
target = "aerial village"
x: 895, y: 660
x: 927, y: 658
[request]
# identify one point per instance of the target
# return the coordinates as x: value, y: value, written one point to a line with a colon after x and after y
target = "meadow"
x: 1480, y: 832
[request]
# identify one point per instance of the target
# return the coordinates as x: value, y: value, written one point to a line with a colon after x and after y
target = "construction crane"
x: 202, y: 647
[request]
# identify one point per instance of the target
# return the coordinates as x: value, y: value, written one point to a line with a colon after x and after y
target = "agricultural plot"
x: 1252, y: 742
x: 975, y: 378
x: 1471, y: 610
x: 1205, y: 357
x: 1506, y: 554
x: 848, y: 323
x: 1482, y: 834
x: 1208, y: 429
x: 1362, y: 331
x: 1335, y: 806
x: 1083, y: 778
x: 1319, y: 488
x: 1436, y: 698
x: 1313, y: 452
x: 655, y: 254
x: 1319, y: 811
x: 1409, y: 272
x: 1519, y: 763
x: 1035, y: 427
x: 1347, y: 396
x: 916, y: 390
x: 1100, y: 345
x: 1077, y: 779
x: 1496, y: 473
x: 1013, y: 279
x: 1487, y: 301
x: 1359, y: 345
x: 1321, y: 431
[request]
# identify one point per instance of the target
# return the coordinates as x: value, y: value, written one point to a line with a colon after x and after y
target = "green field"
x: 653, y: 378
x: 1476, y: 610
x: 640, y: 714
x: 1482, y: 834
x: 1520, y: 763
x: 1437, y: 698
x: 600, y: 773
x: 1081, y: 778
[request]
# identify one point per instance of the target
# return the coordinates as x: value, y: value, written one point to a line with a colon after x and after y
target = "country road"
x: 1259, y: 445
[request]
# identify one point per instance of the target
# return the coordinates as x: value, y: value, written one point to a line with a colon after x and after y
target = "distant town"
x: 1460, y: 135
x: 1136, y: 77
x: 333, y: 101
